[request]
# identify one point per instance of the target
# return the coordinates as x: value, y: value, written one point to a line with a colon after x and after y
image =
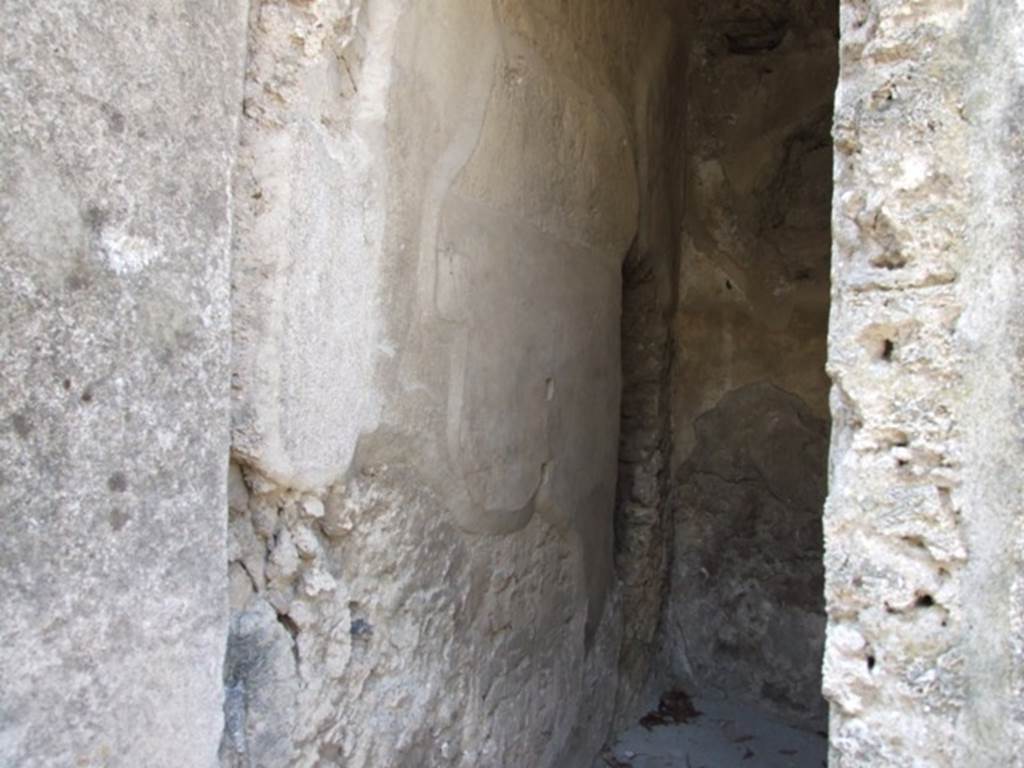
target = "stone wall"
x: 749, y: 391
x: 434, y: 201
x: 922, y: 525
x: 117, y: 138
x: 314, y: 317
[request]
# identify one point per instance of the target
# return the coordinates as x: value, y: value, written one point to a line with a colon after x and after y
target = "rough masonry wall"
x: 434, y: 202
x: 643, y: 528
x: 749, y: 401
x: 923, y: 661
x: 118, y: 129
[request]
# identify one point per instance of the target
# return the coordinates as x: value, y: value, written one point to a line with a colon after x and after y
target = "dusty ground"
x: 725, y: 734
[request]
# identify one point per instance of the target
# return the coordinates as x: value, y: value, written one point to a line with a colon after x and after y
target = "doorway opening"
x: 725, y: 415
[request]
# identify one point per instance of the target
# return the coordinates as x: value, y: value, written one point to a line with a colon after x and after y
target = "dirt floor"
x: 714, y: 733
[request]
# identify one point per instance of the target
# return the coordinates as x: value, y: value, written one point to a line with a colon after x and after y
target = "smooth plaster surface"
x: 118, y: 132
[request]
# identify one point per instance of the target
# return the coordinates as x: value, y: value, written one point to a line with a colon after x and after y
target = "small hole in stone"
x: 118, y: 519
x: 925, y: 601
x: 887, y: 349
x: 292, y: 629
x: 728, y: 285
x: 871, y: 662
x: 361, y: 628
x: 890, y: 261
x: 87, y: 396
x: 66, y: 383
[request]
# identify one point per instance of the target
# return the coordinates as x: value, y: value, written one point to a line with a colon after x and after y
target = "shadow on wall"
x: 747, y: 608
x: 750, y: 393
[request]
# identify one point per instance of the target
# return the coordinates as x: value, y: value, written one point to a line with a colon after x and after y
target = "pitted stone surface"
x: 921, y: 666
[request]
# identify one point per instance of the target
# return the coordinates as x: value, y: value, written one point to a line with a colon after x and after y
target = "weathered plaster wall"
x: 923, y: 519
x: 434, y: 202
x: 749, y: 391
x: 118, y: 128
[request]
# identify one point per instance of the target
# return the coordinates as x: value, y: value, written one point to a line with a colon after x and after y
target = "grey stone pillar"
x: 118, y: 125
x: 922, y: 527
